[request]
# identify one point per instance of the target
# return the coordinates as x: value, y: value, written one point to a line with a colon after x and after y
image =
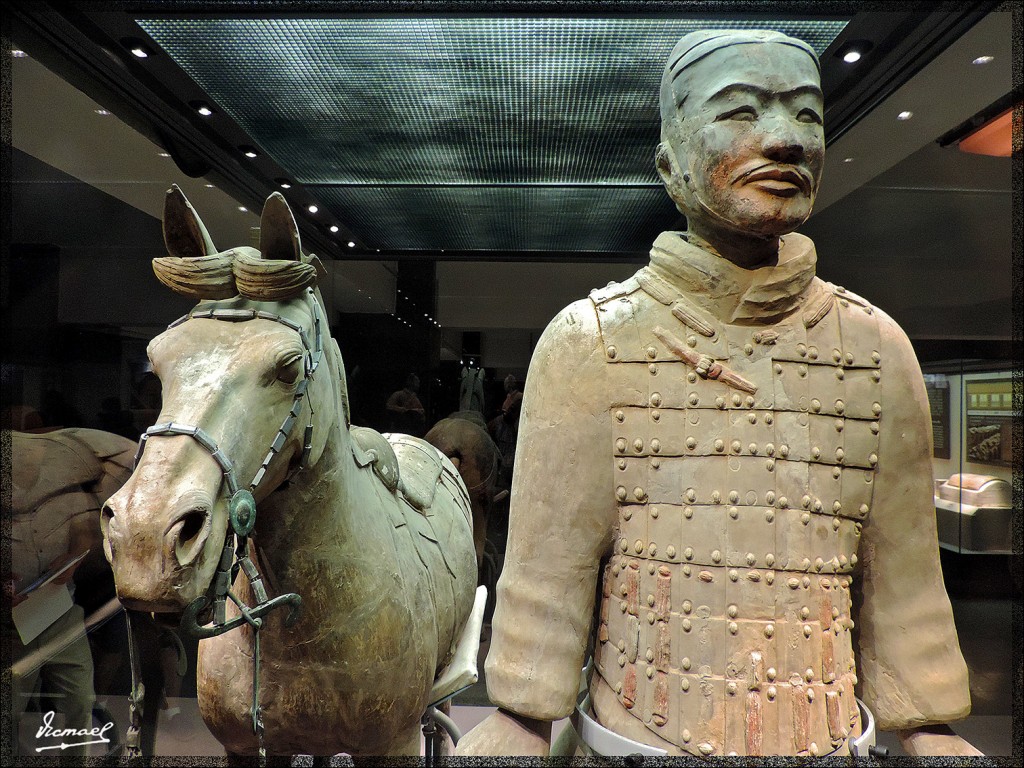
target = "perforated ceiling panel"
x: 387, y: 102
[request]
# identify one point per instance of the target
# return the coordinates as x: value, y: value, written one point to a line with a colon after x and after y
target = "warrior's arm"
x: 909, y: 664
x: 560, y: 525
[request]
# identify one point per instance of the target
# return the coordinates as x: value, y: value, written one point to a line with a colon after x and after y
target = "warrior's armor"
x: 738, y: 444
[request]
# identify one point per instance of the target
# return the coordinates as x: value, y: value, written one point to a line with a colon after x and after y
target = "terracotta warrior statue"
x: 724, y: 478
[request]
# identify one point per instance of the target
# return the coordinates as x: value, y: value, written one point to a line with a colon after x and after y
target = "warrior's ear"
x: 279, y: 234
x: 184, y: 233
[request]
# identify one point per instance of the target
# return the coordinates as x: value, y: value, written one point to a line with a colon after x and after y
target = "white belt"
x: 603, y: 742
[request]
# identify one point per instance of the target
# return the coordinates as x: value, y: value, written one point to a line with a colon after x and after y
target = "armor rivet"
x: 802, y: 371
x: 840, y: 406
x: 620, y: 444
x: 638, y: 546
x: 618, y: 687
x: 748, y: 350
x: 778, y: 368
x: 840, y: 374
x: 620, y: 493
x: 687, y: 625
x: 734, y: 497
x: 737, y: 400
x: 620, y: 416
x: 812, y: 352
x: 622, y: 606
x: 691, y: 377
x: 650, y: 655
x: 793, y: 583
x: 783, y: 502
x: 849, y: 358
x: 716, y: 497
x: 810, y: 694
x: 876, y: 357
x: 818, y: 563
x: 655, y: 399
x: 769, y: 419
x: 623, y: 545
x: 627, y: 513
x: 810, y: 697
x: 653, y: 548
x: 876, y: 408
x: 839, y: 425
x: 719, y: 445
x: 837, y: 356
x: 770, y: 449
x: 807, y: 579
x: 808, y: 674
x: 656, y: 445
x: 806, y: 502
x: 752, y: 418
x: 853, y: 679
x: 751, y: 558
x: 686, y: 570
x: 771, y: 692
x: 818, y: 507
x: 691, y: 495
x: 621, y: 646
x: 716, y: 556
x: 815, y: 405
x: 770, y: 465
x: 805, y: 612
x: 769, y: 560
x: 835, y: 613
x: 720, y: 402
x: 807, y: 630
x: 694, y: 400
x: 652, y: 368
x: 835, y: 523
x: 873, y: 459
x: 816, y: 452
x: 638, y: 445
x: 686, y: 734
x: 733, y: 575
x: 769, y: 630
x: 753, y: 449
x: 639, y: 493
x: 876, y: 375
x: 623, y: 590
x: 622, y: 463
x: 656, y: 415
x: 684, y: 685
x: 836, y: 472
x: 687, y: 512
x: 612, y: 352
x: 650, y: 672
x: 691, y: 341
x: 801, y: 350
x: 705, y: 749
x: 734, y: 512
x: 731, y: 688
x: 650, y: 568
x: 688, y: 553
x: 853, y: 559
x: 691, y: 443
x: 749, y: 402
x: 687, y: 607
x: 652, y: 352
x: 670, y: 551
x: 737, y: 446
x: 654, y: 512
x: 784, y: 451
x: 769, y: 515
x: 874, y: 427
x: 622, y: 660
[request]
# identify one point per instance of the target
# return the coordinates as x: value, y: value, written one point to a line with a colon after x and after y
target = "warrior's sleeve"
x: 910, y: 668
x: 560, y: 523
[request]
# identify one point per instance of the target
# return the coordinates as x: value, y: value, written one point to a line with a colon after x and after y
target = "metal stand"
x: 433, y: 736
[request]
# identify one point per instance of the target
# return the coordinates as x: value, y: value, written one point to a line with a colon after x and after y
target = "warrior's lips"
x: 777, y: 181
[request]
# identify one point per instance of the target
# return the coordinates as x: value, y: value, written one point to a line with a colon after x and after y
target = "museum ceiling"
x: 485, y: 132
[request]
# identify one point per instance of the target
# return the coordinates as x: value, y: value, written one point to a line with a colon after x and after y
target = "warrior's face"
x: 745, y: 149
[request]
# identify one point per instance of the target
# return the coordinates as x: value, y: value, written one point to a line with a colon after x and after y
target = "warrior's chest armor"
x: 744, y: 459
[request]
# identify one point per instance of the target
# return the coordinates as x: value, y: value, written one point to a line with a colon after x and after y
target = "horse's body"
x: 385, y: 569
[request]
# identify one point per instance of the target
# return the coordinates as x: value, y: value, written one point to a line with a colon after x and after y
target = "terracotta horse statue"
x: 372, y: 534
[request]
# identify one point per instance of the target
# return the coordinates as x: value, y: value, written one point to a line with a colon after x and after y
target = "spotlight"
x: 905, y: 115
x: 312, y: 209
x: 138, y: 48
x: 248, y: 151
x: 283, y: 183
x: 201, y: 107
x: 334, y: 227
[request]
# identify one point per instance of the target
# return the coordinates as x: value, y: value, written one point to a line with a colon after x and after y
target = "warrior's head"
x: 742, y: 143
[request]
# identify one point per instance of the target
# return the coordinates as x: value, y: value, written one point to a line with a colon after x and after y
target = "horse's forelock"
x: 205, y: 277
x: 271, y: 279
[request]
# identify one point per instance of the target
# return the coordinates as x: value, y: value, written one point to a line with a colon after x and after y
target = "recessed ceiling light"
x: 312, y: 209
x: 334, y: 227
x: 243, y: 209
x: 847, y: 159
x: 854, y: 50
x: 905, y: 115
x: 103, y: 112
x: 163, y: 154
x: 248, y: 151
x: 852, y: 56
x: 283, y: 183
x: 201, y: 107
x: 351, y: 244
x: 18, y: 53
x: 209, y: 186
x: 984, y: 60
x: 138, y: 48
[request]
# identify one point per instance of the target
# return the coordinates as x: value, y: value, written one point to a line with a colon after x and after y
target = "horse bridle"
x: 241, y: 506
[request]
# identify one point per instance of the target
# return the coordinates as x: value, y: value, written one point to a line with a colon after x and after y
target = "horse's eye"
x: 288, y: 371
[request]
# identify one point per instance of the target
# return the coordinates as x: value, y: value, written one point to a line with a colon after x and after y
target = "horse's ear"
x: 184, y: 233
x: 279, y: 234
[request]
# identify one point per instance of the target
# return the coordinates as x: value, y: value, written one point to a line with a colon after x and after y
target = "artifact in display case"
x: 367, y: 541
x: 974, y: 514
x: 724, y: 449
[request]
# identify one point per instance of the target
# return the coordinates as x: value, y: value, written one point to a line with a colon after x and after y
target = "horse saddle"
x: 371, y: 447
x: 423, y: 468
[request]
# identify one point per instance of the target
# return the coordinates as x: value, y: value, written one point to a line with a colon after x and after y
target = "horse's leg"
x: 405, y: 744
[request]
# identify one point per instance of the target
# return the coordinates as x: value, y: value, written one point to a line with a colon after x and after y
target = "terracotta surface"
x: 723, y: 475
x: 384, y: 565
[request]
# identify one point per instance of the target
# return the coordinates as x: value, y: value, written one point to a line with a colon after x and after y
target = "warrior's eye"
x: 744, y: 113
x: 809, y: 116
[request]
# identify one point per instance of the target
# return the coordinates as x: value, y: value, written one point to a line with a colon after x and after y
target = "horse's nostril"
x: 190, y: 535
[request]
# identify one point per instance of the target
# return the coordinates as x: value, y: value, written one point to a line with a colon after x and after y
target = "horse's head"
x: 239, y: 394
